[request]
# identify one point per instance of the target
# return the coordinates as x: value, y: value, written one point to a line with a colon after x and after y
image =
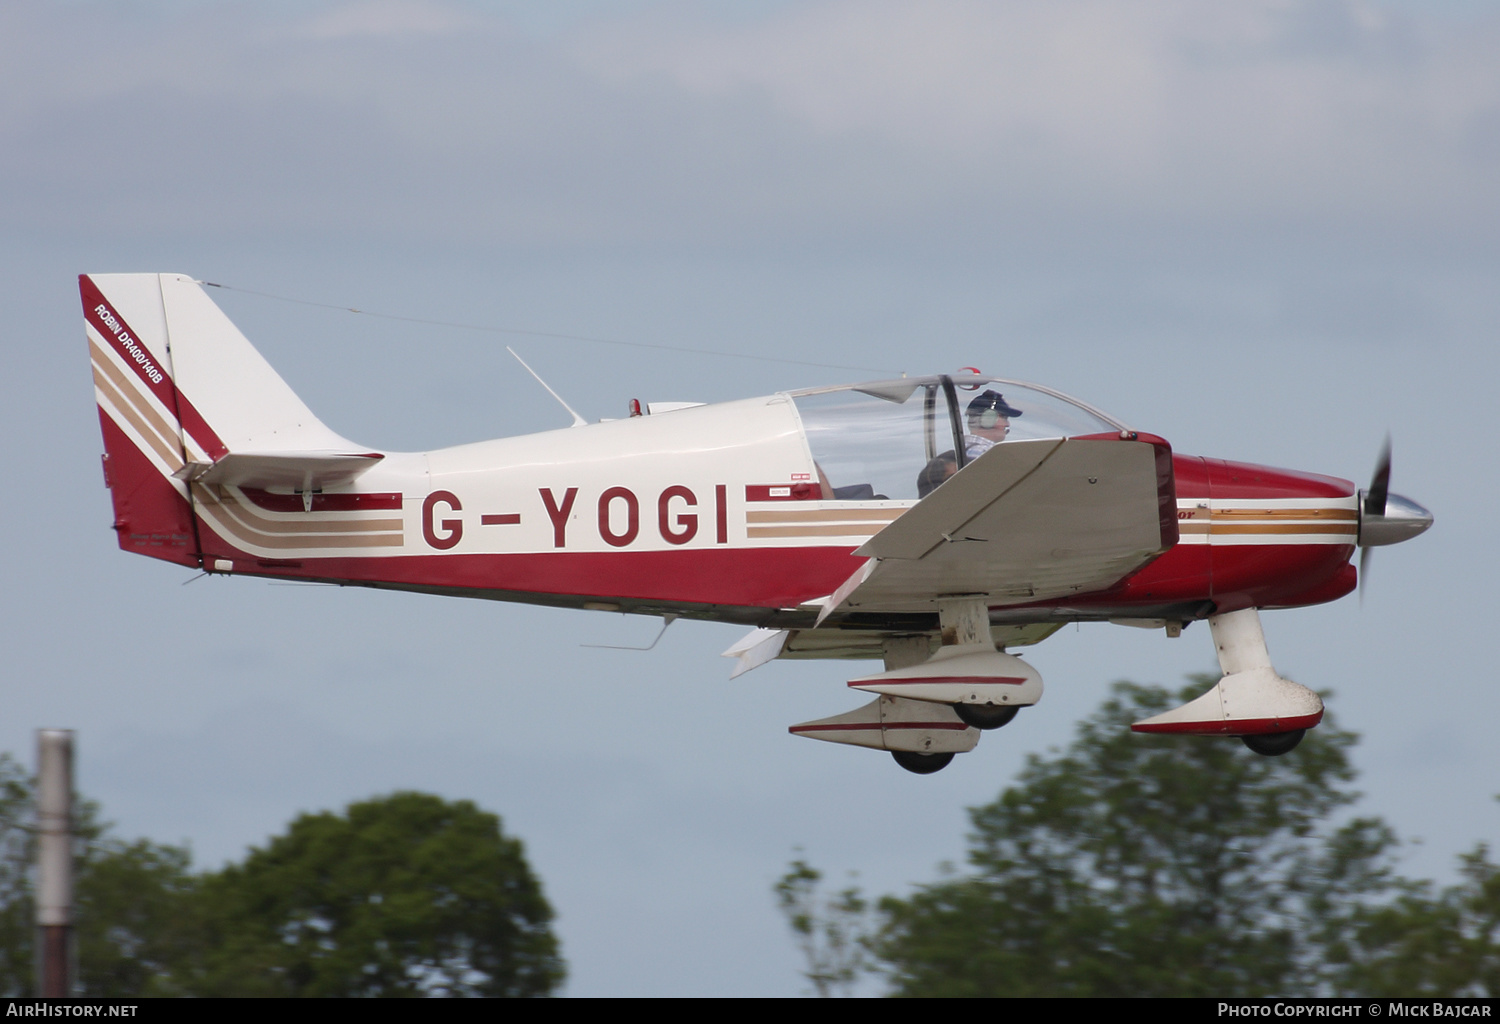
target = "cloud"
x: 845, y: 121
x: 391, y: 18
x: 1265, y: 108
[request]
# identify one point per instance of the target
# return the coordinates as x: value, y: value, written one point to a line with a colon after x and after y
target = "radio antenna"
x: 578, y: 421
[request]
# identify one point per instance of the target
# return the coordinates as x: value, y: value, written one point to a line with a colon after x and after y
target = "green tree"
x: 1424, y: 942
x: 407, y: 895
x: 1133, y: 864
x: 17, y: 916
x: 131, y: 900
x: 832, y: 931
x: 135, y: 905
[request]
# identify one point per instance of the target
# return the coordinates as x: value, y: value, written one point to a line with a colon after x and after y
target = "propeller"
x: 1372, y: 502
x: 1385, y: 518
x: 1380, y: 483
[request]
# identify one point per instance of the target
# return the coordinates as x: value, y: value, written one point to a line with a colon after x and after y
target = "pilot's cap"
x: 988, y: 407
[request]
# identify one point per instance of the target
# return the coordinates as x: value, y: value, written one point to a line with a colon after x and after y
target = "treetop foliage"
x: 1141, y: 864
x: 829, y: 930
x: 404, y: 895
x: 408, y: 895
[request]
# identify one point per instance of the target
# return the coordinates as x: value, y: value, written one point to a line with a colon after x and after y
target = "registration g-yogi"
x: 931, y: 523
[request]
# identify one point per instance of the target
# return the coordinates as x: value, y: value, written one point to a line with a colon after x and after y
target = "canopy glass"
x: 899, y: 439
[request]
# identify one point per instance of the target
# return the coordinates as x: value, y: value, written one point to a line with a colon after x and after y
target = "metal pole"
x: 54, y: 888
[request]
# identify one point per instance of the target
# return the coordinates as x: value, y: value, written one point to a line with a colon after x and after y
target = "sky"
x: 1268, y: 231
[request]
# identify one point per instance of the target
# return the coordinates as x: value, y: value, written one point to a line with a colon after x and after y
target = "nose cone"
x: 1402, y: 520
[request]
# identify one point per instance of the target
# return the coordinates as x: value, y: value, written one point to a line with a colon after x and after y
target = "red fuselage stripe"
x: 920, y: 680
x: 877, y: 726
x: 783, y: 492
x: 324, y: 502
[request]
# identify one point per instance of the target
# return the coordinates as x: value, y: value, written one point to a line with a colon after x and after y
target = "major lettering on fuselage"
x: 871, y: 521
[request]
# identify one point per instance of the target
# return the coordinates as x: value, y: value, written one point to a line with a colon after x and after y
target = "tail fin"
x: 184, y: 396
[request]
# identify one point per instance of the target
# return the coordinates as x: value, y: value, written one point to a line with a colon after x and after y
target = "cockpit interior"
x: 898, y: 440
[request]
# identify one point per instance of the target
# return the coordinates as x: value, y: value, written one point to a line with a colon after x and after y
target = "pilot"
x: 989, y: 421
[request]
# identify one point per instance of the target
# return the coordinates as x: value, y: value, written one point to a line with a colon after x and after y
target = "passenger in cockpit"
x: 989, y: 419
x: 935, y: 472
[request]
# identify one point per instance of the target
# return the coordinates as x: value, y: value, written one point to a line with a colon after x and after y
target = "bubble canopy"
x: 897, y: 440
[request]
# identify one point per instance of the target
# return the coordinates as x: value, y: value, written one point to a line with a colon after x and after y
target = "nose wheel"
x: 1274, y: 744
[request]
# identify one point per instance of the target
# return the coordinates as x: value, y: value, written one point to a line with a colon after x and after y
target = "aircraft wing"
x: 1027, y: 521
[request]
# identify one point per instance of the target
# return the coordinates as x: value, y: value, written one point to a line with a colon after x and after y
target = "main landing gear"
x: 978, y: 716
x: 921, y: 764
x: 930, y: 705
x: 986, y: 716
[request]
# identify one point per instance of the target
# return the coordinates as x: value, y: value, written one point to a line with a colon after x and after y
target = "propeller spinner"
x: 1386, y: 518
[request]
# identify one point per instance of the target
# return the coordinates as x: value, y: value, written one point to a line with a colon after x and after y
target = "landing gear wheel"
x: 922, y: 764
x: 986, y: 716
x: 1274, y: 744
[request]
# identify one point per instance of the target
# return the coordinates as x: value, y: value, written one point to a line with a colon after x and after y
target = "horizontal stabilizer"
x: 298, y: 471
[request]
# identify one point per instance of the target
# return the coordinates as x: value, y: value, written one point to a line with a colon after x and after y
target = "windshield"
x: 871, y: 446
x: 1042, y: 411
x: 899, y: 439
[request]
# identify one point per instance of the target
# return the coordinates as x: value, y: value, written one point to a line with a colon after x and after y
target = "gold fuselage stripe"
x: 851, y: 530
x: 1231, y: 529
x: 233, y: 518
x: 1285, y: 513
x: 828, y: 515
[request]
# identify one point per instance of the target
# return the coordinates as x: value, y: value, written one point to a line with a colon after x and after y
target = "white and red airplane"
x: 932, y: 522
